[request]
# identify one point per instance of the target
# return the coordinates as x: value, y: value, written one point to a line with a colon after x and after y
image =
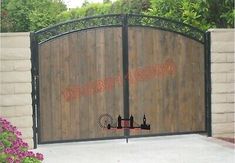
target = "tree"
x: 130, y: 6
x: 29, y: 15
x: 12, y: 20
x: 221, y: 13
x: 203, y: 14
x: 26, y: 15
x: 85, y: 3
x: 117, y: 7
x: 106, y: 1
x: 44, y: 13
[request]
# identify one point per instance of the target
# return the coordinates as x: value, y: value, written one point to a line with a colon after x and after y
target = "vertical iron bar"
x: 126, y: 139
x: 33, y: 45
x: 125, y: 70
x: 208, y: 81
x: 37, y: 91
x: 35, y: 88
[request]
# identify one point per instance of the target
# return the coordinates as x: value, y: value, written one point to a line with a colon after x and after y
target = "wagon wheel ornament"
x: 104, y: 120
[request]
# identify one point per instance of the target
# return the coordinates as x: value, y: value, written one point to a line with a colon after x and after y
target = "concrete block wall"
x: 15, y: 87
x: 222, y: 79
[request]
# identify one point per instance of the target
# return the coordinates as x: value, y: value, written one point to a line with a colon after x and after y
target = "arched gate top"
x: 120, y: 20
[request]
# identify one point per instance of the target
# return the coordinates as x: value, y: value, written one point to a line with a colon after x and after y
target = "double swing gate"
x: 122, y: 64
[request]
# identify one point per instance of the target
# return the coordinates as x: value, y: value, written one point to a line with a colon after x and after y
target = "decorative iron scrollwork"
x: 166, y: 24
x: 79, y: 24
x: 118, y: 20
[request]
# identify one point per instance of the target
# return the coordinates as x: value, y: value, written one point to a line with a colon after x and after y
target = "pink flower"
x: 18, y: 133
x: 16, y: 150
x: 8, y: 150
x: 17, y: 161
x: 30, y: 154
x: 39, y: 156
x: 25, y: 144
x: 10, y: 160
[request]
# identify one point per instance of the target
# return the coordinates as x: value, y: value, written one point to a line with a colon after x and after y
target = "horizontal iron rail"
x: 122, y: 137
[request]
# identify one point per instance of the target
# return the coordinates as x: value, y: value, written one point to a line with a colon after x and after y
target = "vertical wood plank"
x: 65, y: 106
x: 73, y: 80
x: 83, y: 78
x: 100, y: 68
x: 55, y: 90
x: 91, y: 54
x: 118, y: 89
x: 45, y: 94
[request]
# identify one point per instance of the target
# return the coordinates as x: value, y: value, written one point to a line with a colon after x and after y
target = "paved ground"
x: 167, y: 149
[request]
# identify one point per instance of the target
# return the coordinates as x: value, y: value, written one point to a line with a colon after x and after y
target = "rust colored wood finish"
x: 173, y: 101
x: 77, y: 60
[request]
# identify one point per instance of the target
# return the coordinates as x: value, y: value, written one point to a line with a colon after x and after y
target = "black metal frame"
x: 124, y: 21
x: 33, y: 93
x: 207, y: 61
x: 125, y: 61
x: 123, y: 137
x: 35, y: 87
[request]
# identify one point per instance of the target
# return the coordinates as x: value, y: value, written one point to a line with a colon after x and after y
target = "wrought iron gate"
x: 120, y: 64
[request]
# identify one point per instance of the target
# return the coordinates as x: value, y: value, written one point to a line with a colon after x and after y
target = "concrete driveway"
x: 164, y: 149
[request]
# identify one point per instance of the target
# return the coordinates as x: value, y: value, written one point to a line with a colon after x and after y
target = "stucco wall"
x: 15, y: 87
x: 222, y: 75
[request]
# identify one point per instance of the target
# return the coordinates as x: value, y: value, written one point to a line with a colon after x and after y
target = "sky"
x: 78, y: 3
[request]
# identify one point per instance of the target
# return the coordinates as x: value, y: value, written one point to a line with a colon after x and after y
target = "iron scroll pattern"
x: 78, y: 24
x: 167, y: 25
x: 120, y: 20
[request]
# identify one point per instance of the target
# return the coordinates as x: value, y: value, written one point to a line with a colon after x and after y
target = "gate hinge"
x: 36, y: 129
x: 208, y: 89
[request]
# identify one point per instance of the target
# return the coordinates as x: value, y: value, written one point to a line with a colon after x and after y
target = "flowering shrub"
x: 12, y: 148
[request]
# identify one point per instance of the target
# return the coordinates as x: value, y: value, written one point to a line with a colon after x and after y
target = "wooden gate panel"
x: 72, y: 67
x: 173, y: 98
x: 55, y: 66
x: 44, y: 87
